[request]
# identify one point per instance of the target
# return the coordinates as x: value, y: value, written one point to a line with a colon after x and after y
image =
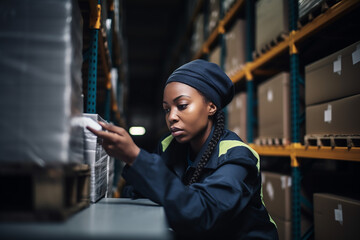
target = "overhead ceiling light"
x: 137, y: 130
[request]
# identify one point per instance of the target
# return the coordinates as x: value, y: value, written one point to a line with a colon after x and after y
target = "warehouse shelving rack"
x: 295, y: 151
x: 102, y: 51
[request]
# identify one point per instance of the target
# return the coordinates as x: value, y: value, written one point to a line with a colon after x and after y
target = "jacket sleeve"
x: 205, y: 206
x: 128, y: 190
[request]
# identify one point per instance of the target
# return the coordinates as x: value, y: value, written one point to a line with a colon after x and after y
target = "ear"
x: 212, y: 108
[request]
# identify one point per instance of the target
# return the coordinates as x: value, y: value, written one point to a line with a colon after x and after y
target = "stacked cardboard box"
x: 197, y: 38
x: 41, y: 84
x: 274, y: 110
x: 101, y: 165
x: 215, y: 55
x: 336, y: 217
x: 277, y: 199
x: 332, y: 93
x: 235, y: 48
x: 237, y: 115
x: 271, y: 21
x: 214, y: 13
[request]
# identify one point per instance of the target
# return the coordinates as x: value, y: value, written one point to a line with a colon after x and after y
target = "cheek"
x: 196, y: 116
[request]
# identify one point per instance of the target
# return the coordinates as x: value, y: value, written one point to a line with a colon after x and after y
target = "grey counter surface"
x: 110, y: 218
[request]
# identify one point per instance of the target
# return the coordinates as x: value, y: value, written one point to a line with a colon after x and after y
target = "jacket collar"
x: 177, y: 156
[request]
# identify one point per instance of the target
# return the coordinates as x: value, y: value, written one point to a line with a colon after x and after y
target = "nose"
x: 173, y: 116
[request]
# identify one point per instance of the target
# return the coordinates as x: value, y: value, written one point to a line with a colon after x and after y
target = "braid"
x: 218, y: 131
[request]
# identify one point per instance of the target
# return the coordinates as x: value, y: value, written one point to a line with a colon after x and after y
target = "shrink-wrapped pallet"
x: 41, y: 84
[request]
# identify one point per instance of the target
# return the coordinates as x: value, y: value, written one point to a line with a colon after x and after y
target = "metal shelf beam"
x: 301, y: 151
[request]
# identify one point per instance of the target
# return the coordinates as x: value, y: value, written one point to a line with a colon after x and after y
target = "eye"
x: 182, y: 106
x: 166, y: 110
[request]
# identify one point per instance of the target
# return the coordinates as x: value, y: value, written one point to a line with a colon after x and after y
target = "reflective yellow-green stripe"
x: 166, y: 142
x: 262, y: 200
x: 225, y: 145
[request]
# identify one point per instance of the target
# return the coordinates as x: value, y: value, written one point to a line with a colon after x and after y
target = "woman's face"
x: 187, y: 113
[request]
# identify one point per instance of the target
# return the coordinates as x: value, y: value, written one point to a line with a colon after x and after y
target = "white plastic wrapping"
x: 40, y: 81
x: 101, y: 164
x: 305, y: 6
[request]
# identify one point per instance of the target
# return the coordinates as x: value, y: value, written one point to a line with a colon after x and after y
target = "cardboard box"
x: 235, y: 47
x: 274, y: 108
x: 214, y: 15
x: 333, y: 77
x: 336, y: 217
x: 284, y: 228
x: 277, y: 195
x: 271, y: 20
x: 215, y: 55
x: 339, y: 117
x: 197, y: 39
x: 237, y: 115
x: 277, y: 192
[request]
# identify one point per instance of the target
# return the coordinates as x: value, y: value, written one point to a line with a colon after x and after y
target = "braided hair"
x: 218, y: 132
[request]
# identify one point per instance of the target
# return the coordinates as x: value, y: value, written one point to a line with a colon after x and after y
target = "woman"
x: 205, y: 177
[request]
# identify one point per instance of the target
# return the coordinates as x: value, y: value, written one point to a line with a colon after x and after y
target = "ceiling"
x: 149, y: 29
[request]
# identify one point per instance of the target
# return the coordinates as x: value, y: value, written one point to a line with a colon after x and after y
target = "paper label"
x: 356, y: 55
x: 285, y: 182
x: 327, y: 114
x: 239, y: 103
x: 270, y: 191
x: 337, y: 65
x: 270, y: 95
x: 339, y: 214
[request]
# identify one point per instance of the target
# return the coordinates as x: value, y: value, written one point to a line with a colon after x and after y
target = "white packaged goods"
x: 40, y: 84
x: 306, y: 6
x: 101, y: 164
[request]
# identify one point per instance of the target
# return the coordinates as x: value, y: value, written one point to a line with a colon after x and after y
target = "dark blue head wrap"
x: 207, y: 78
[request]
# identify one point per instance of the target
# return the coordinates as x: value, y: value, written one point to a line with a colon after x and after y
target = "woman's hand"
x: 117, y: 143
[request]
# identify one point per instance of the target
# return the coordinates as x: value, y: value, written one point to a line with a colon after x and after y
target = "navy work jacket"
x: 226, y: 202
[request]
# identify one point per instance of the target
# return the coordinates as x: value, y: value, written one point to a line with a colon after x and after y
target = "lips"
x: 176, y: 131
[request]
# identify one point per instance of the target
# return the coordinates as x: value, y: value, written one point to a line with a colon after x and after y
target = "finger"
x: 112, y: 128
x: 102, y: 134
